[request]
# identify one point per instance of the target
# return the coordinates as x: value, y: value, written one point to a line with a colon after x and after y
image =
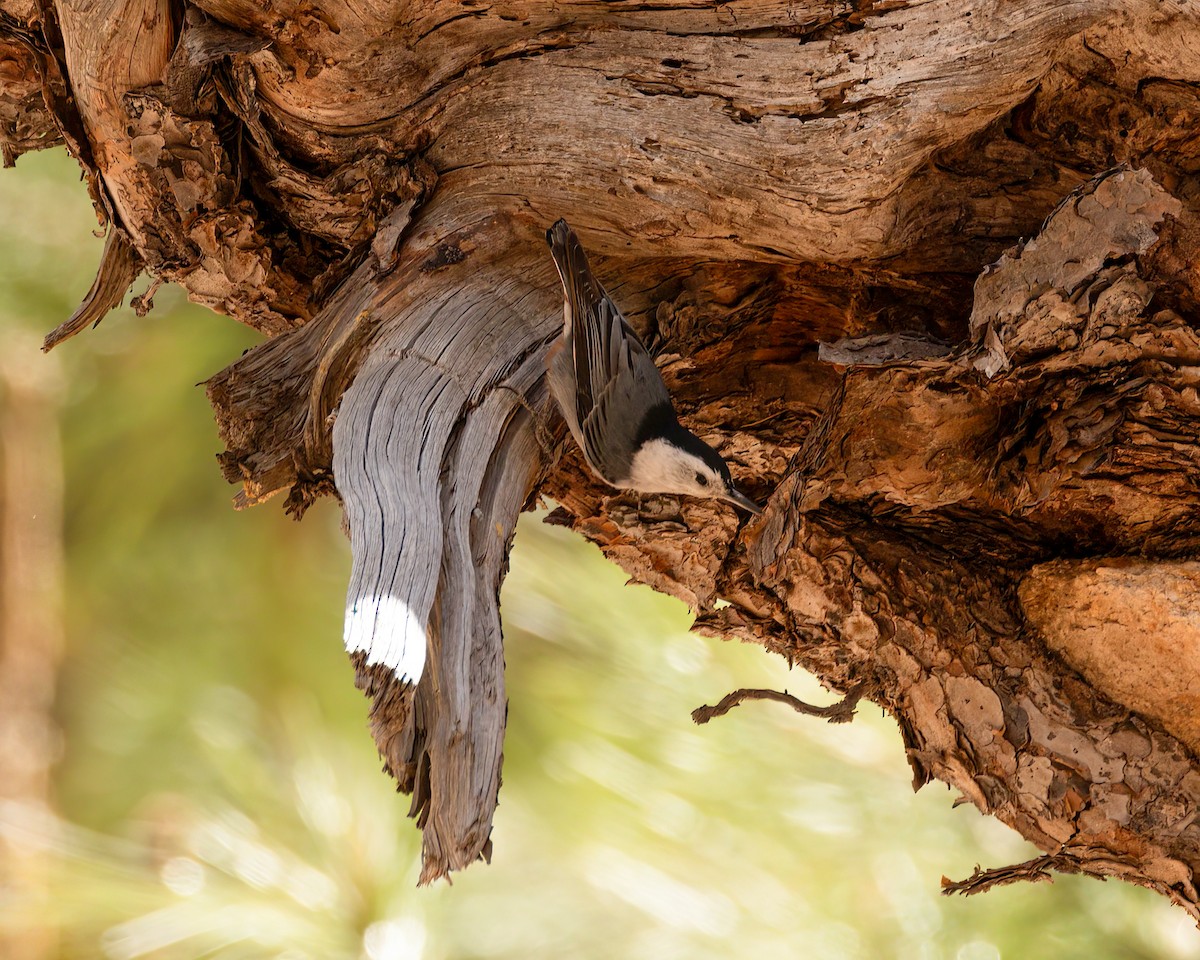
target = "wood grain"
x: 1005, y: 402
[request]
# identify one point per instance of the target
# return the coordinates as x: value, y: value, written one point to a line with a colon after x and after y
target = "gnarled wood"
x: 435, y: 450
x: 25, y: 122
x: 925, y: 495
x: 796, y: 204
x: 435, y: 454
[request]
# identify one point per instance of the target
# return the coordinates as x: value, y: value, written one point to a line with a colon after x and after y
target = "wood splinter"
x: 119, y: 267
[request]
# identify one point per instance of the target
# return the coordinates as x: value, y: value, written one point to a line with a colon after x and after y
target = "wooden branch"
x: 660, y: 80
x: 840, y: 712
x: 436, y: 359
x: 331, y: 166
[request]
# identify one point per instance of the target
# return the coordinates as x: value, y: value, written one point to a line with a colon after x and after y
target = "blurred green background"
x: 207, y: 786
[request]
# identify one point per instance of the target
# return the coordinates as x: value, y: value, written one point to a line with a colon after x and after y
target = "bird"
x: 613, y: 398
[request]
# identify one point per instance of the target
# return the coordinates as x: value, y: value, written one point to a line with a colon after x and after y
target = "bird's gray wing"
x: 626, y: 386
x: 616, y: 382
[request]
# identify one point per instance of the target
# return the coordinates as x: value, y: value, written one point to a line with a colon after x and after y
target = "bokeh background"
x: 185, y: 770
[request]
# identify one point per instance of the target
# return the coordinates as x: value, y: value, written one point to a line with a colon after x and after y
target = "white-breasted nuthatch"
x: 614, y: 399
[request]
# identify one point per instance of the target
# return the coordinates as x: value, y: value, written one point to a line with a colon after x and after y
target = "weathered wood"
x: 469, y: 94
x: 902, y: 547
x: 25, y: 122
x: 119, y: 267
x: 435, y: 450
x: 435, y: 454
x: 795, y: 203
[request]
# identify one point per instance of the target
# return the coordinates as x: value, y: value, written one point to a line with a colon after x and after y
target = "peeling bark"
x: 908, y: 545
x: 25, y: 123
x: 924, y: 274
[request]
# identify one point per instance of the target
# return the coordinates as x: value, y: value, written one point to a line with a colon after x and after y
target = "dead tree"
x: 923, y: 270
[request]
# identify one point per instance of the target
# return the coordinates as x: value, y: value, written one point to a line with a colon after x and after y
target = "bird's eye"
x: 702, y: 479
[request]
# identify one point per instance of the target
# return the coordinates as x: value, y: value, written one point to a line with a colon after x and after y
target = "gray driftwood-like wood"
x: 435, y: 448
x: 924, y: 271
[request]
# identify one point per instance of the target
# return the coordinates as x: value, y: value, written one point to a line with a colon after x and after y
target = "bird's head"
x: 680, y: 462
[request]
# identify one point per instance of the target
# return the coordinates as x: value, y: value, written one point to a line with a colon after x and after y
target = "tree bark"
x: 979, y: 455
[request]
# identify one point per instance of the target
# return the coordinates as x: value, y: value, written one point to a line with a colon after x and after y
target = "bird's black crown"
x: 660, y: 422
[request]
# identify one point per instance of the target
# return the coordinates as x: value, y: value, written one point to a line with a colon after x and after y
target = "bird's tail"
x: 581, y: 288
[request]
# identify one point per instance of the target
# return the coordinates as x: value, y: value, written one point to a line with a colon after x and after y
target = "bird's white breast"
x: 656, y: 468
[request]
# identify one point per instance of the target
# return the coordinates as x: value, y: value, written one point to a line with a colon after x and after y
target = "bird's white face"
x: 661, y: 467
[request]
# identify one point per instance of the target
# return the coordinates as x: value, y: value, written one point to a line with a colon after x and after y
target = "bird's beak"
x: 736, y: 496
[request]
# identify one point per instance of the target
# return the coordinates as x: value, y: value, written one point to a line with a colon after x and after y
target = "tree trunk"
x: 31, y: 621
x: 981, y: 474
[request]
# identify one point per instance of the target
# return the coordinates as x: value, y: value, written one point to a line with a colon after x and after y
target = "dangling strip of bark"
x: 840, y: 712
x: 119, y: 267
